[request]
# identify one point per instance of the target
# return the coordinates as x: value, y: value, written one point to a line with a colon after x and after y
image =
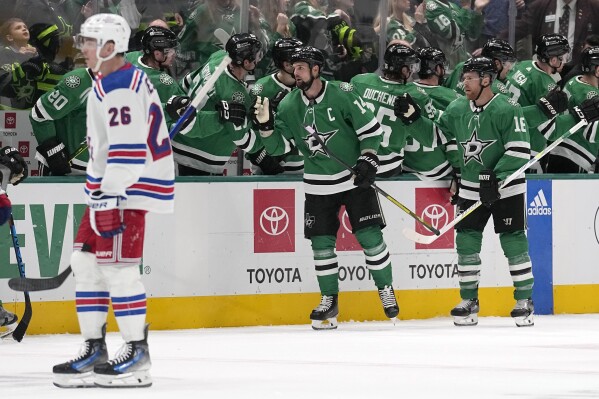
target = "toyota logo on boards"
x: 437, y: 215
x: 274, y: 221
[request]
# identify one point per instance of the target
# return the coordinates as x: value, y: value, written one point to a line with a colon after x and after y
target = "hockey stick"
x: 423, y: 239
x: 39, y: 284
x: 314, y: 134
x: 19, y: 332
x: 208, y: 85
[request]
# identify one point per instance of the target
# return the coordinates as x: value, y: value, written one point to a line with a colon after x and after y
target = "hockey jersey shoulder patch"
x: 257, y: 89
x: 72, y: 81
x: 346, y: 86
x: 166, y: 79
x: 238, y: 97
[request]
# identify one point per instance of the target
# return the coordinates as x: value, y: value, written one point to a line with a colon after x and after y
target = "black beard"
x: 304, y: 86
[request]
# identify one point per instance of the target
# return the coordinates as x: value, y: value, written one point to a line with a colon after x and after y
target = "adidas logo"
x: 539, y: 205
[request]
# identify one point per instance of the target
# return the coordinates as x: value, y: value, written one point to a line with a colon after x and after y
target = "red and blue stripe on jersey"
x: 127, y: 154
x: 146, y: 187
x: 130, y: 77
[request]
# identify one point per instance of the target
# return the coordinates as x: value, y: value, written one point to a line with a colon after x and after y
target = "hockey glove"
x: 267, y: 163
x: 104, y: 214
x: 365, y: 169
x: 231, y: 112
x: 176, y: 106
x: 406, y: 109
x: 264, y: 118
x: 553, y: 103
x: 454, y: 187
x: 489, y: 187
x: 55, y: 155
x: 10, y: 157
x: 5, y: 208
x: 587, y: 110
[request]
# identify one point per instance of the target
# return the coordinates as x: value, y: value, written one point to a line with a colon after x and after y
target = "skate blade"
x: 135, y: 379
x: 527, y: 321
x: 394, y: 320
x: 83, y: 380
x: 465, y: 321
x: 328, y: 324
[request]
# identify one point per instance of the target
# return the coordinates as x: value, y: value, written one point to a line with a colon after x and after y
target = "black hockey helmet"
x: 243, y: 46
x: 158, y: 38
x: 397, y: 56
x: 308, y: 54
x: 283, y: 50
x: 498, y: 49
x: 589, y: 59
x: 482, y: 65
x: 430, y: 57
x: 552, y: 45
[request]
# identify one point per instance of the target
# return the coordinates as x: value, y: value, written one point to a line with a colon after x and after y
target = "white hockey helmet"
x: 105, y: 28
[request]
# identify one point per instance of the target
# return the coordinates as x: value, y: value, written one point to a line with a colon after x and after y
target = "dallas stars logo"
x: 474, y: 147
x: 314, y: 146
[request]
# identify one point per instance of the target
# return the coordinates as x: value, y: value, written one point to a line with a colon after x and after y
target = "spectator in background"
x: 401, y: 25
x: 557, y: 16
x: 14, y: 35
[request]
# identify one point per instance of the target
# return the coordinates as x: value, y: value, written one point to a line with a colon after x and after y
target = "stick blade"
x: 25, y: 284
x: 417, y: 237
x: 19, y: 332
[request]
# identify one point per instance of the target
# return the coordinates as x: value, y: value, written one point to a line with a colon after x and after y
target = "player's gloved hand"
x: 553, y: 103
x: 55, y: 157
x: 231, y: 112
x: 406, y: 109
x: 264, y: 118
x: 454, y: 187
x: 105, y: 215
x: 176, y: 106
x: 489, y: 187
x: 5, y: 208
x: 366, y: 167
x: 10, y: 157
x: 587, y: 110
x: 33, y: 68
x: 267, y: 163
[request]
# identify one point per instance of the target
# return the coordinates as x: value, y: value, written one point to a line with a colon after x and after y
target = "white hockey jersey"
x: 129, y: 146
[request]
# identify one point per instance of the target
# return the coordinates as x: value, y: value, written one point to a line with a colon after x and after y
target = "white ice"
x: 557, y: 358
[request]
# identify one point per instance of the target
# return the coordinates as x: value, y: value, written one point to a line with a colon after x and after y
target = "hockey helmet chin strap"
x: 101, y: 59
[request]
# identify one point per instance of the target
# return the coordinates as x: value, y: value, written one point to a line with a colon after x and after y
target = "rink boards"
x: 233, y: 254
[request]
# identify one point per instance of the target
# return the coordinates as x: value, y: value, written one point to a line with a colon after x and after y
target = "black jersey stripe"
x: 198, y: 157
x: 331, y: 182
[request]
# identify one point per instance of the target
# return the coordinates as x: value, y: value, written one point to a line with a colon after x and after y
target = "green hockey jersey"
x: 379, y: 94
x: 61, y: 113
x: 580, y: 147
x: 208, y: 145
x: 397, y: 31
x: 452, y: 24
x: 492, y: 137
x: 342, y: 120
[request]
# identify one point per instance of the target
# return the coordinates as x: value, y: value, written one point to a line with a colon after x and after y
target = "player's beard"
x: 303, y: 85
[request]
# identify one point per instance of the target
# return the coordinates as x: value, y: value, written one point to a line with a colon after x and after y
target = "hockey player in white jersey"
x: 130, y: 172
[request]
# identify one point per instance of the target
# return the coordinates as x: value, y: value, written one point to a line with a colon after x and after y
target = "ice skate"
x: 8, y: 322
x: 389, y: 302
x: 524, y: 313
x: 466, y: 313
x: 129, y: 369
x: 324, y: 316
x: 79, y: 372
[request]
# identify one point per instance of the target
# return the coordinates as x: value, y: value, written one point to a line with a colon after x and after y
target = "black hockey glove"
x: 263, y: 117
x: 454, y: 187
x: 406, y: 109
x: 176, y: 106
x: 231, y: 112
x: 553, y: 103
x: 588, y: 110
x: 366, y: 167
x: 489, y: 187
x: 33, y: 68
x: 55, y: 154
x: 269, y: 164
x: 10, y: 157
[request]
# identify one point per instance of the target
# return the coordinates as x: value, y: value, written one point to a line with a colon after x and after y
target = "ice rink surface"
x: 557, y: 358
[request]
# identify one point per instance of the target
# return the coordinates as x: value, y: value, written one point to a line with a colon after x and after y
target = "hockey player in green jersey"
x: 58, y: 123
x: 344, y: 122
x: 493, y: 142
x: 531, y: 80
x: 379, y: 93
x: 277, y: 85
x: 453, y: 24
x: 221, y: 124
x: 578, y: 153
